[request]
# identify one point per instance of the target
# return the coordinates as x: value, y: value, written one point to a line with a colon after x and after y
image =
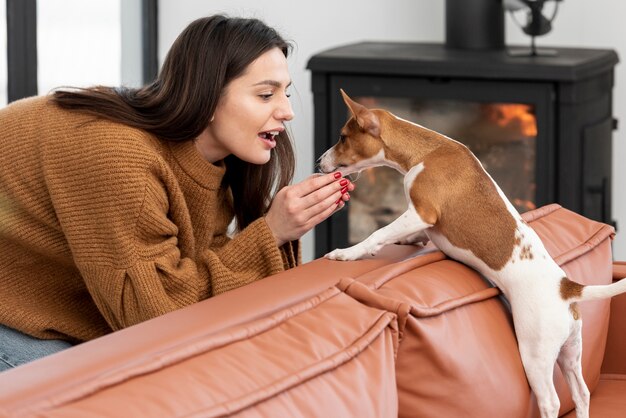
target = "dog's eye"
x: 342, y: 138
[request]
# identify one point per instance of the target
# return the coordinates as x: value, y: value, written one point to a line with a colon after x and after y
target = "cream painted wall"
x: 315, y: 26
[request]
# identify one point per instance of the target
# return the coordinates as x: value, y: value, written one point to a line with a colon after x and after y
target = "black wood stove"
x: 541, y: 126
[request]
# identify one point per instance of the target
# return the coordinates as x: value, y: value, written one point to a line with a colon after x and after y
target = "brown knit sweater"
x: 103, y: 226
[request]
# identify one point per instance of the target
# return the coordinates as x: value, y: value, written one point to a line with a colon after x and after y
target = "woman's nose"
x: 284, y: 110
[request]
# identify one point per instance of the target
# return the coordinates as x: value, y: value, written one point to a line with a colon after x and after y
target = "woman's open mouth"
x: 269, y: 138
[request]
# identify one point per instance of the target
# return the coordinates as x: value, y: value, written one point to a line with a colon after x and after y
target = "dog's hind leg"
x: 408, y: 225
x: 539, y: 371
x: 569, y: 360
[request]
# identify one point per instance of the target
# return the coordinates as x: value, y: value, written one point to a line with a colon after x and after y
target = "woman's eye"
x: 265, y: 96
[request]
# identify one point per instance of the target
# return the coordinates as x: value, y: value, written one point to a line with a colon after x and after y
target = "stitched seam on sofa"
x: 612, y: 376
x: 323, y: 366
x: 597, y: 238
x: 603, y: 232
x: 180, y: 352
x: 541, y: 212
x: 450, y: 304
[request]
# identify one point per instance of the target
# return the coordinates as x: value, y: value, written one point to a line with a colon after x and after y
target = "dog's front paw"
x: 345, y: 254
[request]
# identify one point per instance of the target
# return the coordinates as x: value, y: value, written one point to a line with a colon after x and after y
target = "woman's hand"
x: 296, y: 209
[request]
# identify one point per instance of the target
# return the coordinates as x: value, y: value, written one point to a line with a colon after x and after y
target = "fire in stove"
x: 518, y: 117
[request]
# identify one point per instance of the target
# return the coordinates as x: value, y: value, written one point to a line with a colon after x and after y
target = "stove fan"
x: 536, y: 23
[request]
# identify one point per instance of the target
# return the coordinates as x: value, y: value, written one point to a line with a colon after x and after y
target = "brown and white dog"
x: 454, y: 202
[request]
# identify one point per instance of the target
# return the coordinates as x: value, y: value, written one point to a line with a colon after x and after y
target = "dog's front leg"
x: 419, y: 238
x: 408, y: 226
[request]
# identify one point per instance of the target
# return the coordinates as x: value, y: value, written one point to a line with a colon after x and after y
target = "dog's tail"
x: 575, y: 292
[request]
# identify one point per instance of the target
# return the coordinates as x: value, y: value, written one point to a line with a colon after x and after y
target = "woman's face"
x: 251, y: 112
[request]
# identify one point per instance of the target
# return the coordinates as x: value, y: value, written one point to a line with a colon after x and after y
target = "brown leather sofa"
x: 408, y: 333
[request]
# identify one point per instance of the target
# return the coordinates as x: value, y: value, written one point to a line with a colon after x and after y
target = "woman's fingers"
x: 318, y: 196
x: 331, y: 201
x: 323, y: 215
x: 327, y: 206
x: 298, y: 208
x: 314, y: 183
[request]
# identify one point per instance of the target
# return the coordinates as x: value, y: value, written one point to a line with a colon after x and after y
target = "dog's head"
x: 360, y: 144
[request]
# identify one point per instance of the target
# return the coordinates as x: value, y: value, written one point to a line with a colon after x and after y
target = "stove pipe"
x: 474, y: 24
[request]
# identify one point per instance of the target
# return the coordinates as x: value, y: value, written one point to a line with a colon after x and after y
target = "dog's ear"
x: 366, y: 119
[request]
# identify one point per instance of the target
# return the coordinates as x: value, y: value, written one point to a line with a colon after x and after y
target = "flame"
x: 517, y: 116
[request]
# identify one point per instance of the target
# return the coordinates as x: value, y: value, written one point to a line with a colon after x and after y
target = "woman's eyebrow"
x: 272, y: 83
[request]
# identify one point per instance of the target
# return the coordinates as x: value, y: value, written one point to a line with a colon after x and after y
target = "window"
x: 56, y: 43
x: 79, y: 43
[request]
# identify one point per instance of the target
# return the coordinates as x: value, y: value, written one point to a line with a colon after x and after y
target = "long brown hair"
x: 178, y: 105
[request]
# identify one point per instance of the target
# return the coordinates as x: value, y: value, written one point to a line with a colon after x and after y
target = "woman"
x: 117, y: 201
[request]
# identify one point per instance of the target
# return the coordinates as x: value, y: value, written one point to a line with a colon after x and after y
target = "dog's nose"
x: 325, y: 167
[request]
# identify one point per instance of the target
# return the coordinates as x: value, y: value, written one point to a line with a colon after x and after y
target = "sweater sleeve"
x: 250, y: 255
x: 134, y: 253
x: 166, y: 273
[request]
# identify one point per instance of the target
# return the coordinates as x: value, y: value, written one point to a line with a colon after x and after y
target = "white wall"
x: 315, y: 26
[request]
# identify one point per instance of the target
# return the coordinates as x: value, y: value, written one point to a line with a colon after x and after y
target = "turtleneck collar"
x: 206, y: 174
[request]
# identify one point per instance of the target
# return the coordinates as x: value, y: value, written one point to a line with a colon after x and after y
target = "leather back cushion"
x: 328, y: 355
x: 458, y: 355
